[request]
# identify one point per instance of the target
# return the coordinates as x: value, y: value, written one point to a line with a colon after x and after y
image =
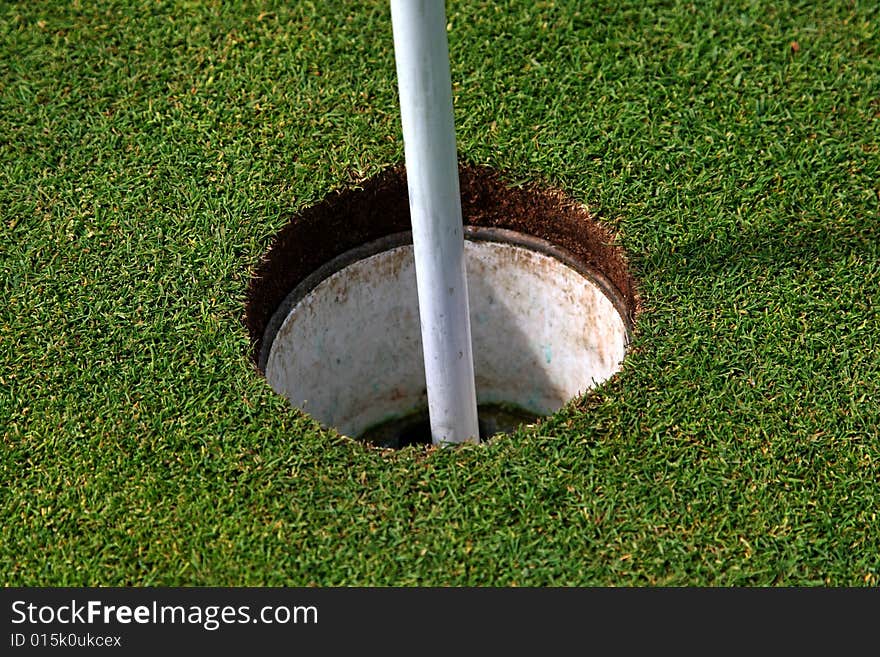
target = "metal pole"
x: 425, y: 87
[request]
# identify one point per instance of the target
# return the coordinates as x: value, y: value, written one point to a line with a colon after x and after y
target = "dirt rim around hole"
x: 379, y: 207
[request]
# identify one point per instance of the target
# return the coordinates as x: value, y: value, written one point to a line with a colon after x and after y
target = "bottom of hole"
x: 415, y: 428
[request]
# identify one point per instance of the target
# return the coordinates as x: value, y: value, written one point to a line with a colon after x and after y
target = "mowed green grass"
x: 150, y: 150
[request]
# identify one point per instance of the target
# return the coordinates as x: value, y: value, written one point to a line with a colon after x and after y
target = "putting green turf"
x: 150, y: 150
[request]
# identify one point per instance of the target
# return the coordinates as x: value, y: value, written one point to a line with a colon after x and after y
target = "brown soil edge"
x: 379, y: 207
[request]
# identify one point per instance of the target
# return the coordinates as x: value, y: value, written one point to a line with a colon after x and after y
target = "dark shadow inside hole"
x: 415, y: 428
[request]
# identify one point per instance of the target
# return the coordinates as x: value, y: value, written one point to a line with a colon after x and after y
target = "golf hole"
x: 333, y: 311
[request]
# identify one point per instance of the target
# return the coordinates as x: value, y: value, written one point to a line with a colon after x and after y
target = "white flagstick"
x: 425, y: 88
